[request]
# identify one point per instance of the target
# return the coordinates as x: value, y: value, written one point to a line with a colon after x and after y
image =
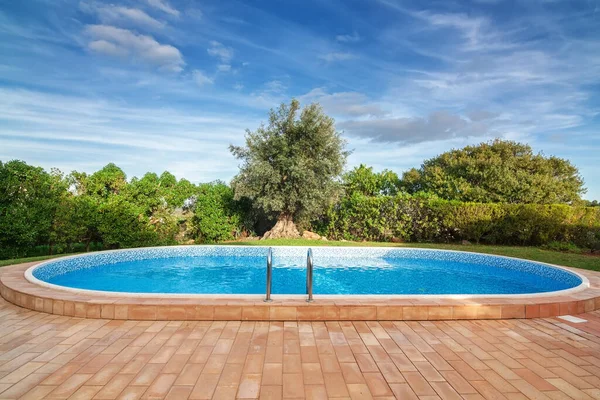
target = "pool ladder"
x: 269, y: 274
x: 309, y: 275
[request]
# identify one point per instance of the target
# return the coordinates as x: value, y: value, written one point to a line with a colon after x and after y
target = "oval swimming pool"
x: 337, y: 271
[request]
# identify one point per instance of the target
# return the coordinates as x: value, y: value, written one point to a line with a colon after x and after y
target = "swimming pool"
x: 241, y: 270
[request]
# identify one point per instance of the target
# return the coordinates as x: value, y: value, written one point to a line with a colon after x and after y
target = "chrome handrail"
x: 269, y: 274
x: 309, y: 275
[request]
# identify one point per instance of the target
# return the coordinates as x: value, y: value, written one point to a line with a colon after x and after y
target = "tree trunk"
x: 283, y: 229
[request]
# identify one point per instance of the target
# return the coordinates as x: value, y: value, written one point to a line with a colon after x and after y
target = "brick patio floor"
x: 57, y: 357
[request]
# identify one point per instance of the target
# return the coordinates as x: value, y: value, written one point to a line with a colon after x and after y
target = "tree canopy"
x: 290, y: 166
x: 29, y: 198
x: 497, y: 172
x: 64, y: 213
x: 363, y: 180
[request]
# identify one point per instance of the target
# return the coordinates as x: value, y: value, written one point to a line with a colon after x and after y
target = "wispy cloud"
x: 101, y: 131
x: 439, y: 125
x: 404, y: 80
x: 164, y: 6
x: 200, y: 78
x: 354, y: 37
x: 216, y: 49
x: 113, y: 41
x: 345, y: 104
x: 123, y: 16
x: 337, y: 56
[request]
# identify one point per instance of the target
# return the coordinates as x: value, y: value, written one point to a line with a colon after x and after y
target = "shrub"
x: 427, y: 218
x: 215, y: 218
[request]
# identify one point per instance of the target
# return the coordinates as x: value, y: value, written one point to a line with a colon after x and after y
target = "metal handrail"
x: 269, y: 274
x: 309, y: 275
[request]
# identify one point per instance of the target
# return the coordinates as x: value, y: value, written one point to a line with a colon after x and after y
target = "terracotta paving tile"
x: 179, y: 392
x: 60, y: 356
x: 403, y: 391
x: 377, y: 384
x: 205, y: 386
x: 335, y: 384
x: 359, y: 391
x: 293, y: 386
x: 131, y: 393
x: 418, y: 384
x: 249, y: 386
x: 115, y: 386
x: 160, y: 387
x: 271, y: 393
x: 85, y: 392
x: 68, y: 387
x: 352, y: 373
x: 38, y: 392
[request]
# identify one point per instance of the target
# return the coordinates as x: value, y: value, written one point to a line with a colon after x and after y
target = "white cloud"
x: 352, y: 104
x: 116, y: 41
x: 123, y: 16
x: 482, y: 115
x: 275, y: 86
x: 470, y: 27
x: 337, y: 56
x: 95, y: 132
x: 348, y: 38
x: 216, y: 49
x: 194, y: 13
x: 102, y: 46
x: 439, y: 125
x: 200, y: 78
x: 164, y: 6
x: 224, y: 67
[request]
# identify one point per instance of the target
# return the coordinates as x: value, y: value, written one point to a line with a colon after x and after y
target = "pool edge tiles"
x: 17, y: 290
x: 107, y: 257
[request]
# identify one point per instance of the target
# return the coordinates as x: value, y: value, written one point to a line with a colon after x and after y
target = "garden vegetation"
x: 291, y: 179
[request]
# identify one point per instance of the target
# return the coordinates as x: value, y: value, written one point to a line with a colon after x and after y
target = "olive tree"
x: 290, y: 167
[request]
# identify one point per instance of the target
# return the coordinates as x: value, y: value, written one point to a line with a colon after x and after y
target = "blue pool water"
x: 241, y: 270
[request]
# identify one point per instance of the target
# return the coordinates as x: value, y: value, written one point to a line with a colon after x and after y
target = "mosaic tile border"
x: 45, y: 270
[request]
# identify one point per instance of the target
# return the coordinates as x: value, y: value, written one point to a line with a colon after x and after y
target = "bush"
x: 421, y: 218
x: 215, y: 218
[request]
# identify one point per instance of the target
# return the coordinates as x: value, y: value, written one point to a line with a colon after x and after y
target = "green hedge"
x: 422, y: 218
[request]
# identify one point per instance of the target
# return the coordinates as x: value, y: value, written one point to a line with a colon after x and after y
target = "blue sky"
x: 157, y: 85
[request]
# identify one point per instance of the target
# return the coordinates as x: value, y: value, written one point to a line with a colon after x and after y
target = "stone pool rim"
x: 585, y: 284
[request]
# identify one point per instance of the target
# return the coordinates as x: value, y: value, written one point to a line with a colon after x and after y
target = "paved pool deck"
x: 46, y: 356
x: 53, y: 356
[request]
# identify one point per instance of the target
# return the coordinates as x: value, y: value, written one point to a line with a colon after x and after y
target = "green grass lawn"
x: 13, y: 261
x: 577, y: 260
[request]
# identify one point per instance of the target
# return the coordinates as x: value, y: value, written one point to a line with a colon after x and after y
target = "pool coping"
x: 15, y: 288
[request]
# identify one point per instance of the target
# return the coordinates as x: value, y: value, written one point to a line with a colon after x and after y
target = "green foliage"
x: 49, y: 212
x: 426, y: 218
x: 289, y: 167
x: 363, y: 180
x: 215, y: 217
x: 28, y: 201
x: 497, y: 172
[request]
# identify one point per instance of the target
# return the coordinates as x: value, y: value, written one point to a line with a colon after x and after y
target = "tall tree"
x: 289, y: 167
x: 497, y: 172
x: 29, y: 198
x: 363, y: 180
